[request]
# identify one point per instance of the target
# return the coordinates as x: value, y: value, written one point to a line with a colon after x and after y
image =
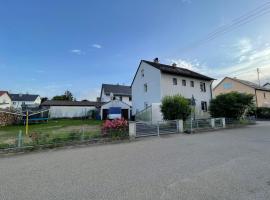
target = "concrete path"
x: 230, y: 164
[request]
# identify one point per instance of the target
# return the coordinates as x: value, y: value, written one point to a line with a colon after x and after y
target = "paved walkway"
x: 229, y: 164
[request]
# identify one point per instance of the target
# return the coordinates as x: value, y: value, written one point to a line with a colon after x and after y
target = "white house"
x: 31, y: 100
x: 5, y: 100
x: 116, y: 92
x: 115, y: 98
x: 154, y: 80
x: 69, y: 109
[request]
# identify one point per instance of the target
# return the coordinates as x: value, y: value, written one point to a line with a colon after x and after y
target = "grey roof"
x: 121, y: 90
x: 178, y: 71
x: 266, y: 84
x: 70, y: 103
x: 250, y: 84
x: 23, y: 97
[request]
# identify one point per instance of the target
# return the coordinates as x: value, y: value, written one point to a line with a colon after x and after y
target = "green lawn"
x: 53, y: 129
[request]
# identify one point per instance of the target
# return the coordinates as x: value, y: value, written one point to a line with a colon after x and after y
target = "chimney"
x: 156, y: 60
x: 174, y: 65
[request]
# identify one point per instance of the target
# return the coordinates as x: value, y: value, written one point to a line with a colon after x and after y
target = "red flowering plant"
x: 115, y: 128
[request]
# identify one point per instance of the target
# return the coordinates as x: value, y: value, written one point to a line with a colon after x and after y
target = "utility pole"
x: 258, y: 73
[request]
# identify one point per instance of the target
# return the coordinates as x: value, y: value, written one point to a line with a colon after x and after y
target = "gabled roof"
x: 266, y: 84
x: 247, y: 83
x: 121, y: 90
x: 178, y: 71
x: 169, y: 69
x: 3, y: 92
x: 23, y: 97
x: 70, y: 103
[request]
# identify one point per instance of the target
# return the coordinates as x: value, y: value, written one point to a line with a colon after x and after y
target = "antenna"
x: 258, y: 73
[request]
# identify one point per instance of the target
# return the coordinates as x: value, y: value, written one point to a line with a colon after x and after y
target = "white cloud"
x: 77, y: 51
x: 97, y: 46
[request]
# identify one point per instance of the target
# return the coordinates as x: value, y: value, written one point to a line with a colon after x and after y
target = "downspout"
x: 256, y: 98
x: 211, y: 90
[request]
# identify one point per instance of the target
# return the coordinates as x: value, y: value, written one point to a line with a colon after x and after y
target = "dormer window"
x: 142, y: 72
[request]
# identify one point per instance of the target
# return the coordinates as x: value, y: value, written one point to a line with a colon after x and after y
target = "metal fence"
x: 46, y: 139
x: 155, y: 129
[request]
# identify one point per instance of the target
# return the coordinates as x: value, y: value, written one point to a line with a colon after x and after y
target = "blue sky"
x: 47, y: 47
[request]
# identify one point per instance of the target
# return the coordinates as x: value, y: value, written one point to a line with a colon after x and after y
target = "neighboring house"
x: 69, y: 109
x: 261, y: 94
x: 154, y: 80
x: 30, y: 100
x: 117, y: 101
x: 116, y: 92
x: 5, y: 100
x: 266, y: 85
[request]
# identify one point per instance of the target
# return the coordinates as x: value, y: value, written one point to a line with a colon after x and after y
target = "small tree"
x: 175, y: 107
x: 67, y: 96
x: 232, y: 105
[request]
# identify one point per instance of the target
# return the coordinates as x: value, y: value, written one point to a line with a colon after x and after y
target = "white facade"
x: 5, y: 101
x: 18, y: 104
x: 161, y: 84
x: 151, y: 76
x: 70, y: 111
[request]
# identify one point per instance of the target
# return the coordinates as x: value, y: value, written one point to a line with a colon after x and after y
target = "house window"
x: 202, y: 87
x: 204, y: 106
x: 130, y: 98
x: 142, y: 72
x: 14, y: 103
x: 227, y: 85
x: 191, y: 83
x: 184, y: 83
x: 264, y: 95
x: 174, y: 81
x: 121, y: 98
x: 145, y: 104
x: 145, y: 87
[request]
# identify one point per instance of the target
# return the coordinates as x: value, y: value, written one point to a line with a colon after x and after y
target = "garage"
x: 115, y: 109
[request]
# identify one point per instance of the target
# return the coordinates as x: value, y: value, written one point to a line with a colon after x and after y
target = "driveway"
x: 228, y: 164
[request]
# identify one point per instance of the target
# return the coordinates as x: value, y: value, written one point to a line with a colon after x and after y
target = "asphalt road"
x: 230, y: 164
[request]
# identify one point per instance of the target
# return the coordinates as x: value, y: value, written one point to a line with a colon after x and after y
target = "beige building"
x: 261, y: 94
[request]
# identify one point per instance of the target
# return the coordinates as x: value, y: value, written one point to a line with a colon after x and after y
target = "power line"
x: 236, y: 23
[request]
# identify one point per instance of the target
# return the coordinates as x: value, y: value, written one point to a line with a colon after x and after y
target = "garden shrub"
x: 263, y: 113
x: 117, y: 128
x: 231, y: 105
x: 175, y: 107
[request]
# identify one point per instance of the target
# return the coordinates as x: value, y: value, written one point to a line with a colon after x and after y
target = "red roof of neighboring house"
x: 3, y: 92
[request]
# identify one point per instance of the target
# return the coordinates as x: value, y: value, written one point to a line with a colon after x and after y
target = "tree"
x: 67, y: 96
x: 232, y: 105
x: 175, y: 107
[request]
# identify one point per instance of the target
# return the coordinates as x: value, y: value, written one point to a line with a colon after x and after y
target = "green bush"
x: 232, y: 105
x: 175, y: 107
x: 263, y: 113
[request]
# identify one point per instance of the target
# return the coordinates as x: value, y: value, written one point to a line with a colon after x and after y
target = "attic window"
x: 142, y: 72
x: 145, y: 87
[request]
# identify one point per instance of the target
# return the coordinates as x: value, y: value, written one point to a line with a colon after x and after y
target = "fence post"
x: 180, y: 125
x: 223, y: 122
x: 132, y: 129
x: 213, y: 122
x: 20, y: 139
x: 158, y: 129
